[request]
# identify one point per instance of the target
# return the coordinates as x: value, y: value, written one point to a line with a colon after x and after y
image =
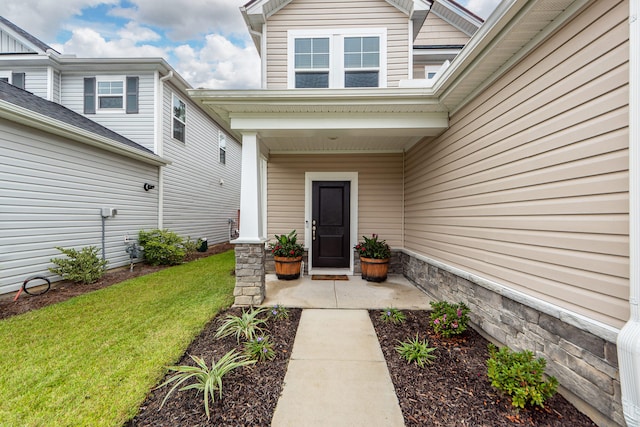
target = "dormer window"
x: 346, y: 58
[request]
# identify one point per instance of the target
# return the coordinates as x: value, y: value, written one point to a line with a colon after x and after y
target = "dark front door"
x: 330, y: 224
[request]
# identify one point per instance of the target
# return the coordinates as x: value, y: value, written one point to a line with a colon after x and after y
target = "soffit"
x: 334, y: 120
x: 457, y: 16
x: 513, y: 30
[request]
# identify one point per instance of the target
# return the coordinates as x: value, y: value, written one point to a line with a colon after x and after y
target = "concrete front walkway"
x: 337, y: 375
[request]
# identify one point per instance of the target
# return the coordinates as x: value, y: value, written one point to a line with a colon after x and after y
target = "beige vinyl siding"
x: 379, y: 191
x: 51, y: 194
x: 322, y: 14
x: 436, y: 31
x: 195, y: 203
x: 529, y: 185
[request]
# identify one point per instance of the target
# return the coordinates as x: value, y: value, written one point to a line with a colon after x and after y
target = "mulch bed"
x: 63, y: 290
x: 455, y: 389
x: 249, y: 394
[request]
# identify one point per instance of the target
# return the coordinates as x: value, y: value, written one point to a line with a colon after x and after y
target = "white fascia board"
x: 386, y: 96
x: 340, y: 121
x: 44, y: 123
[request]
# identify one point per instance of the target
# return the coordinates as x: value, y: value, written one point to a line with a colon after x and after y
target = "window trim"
x: 336, y: 52
x: 111, y: 79
x: 10, y: 76
x: 174, y: 96
x: 222, y: 147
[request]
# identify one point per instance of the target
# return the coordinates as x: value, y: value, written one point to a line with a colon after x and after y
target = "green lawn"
x: 90, y: 361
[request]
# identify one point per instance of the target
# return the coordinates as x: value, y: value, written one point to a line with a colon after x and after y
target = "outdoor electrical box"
x: 107, y: 212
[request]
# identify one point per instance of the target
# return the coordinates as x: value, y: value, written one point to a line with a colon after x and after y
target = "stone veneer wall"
x: 585, y: 365
x: 395, y: 263
x: 270, y: 264
x: 250, y: 282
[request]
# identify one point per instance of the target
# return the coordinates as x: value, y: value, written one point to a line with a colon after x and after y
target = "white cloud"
x: 44, y: 18
x: 86, y: 42
x: 482, y: 8
x: 220, y: 64
x: 187, y: 19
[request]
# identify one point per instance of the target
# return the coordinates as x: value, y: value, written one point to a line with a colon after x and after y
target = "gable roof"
x: 27, y: 39
x: 257, y: 12
x: 63, y: 117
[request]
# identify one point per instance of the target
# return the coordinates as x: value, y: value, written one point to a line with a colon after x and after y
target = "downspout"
x: 160, y: 147
x: 629, y: 337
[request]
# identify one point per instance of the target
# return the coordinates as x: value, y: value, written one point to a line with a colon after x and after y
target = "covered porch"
x: 303, y: 150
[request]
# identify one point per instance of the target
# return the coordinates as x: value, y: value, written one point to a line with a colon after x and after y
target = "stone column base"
x: 250, y: 282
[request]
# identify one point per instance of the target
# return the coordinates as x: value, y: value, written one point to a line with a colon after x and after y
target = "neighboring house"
x: 58, y: 170
x: 503, y: 181
x: 145, y: 100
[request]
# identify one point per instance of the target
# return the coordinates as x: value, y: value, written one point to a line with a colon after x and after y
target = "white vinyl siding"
x: 379, y: 192
x: 335, y: 15
x: 200, y: 193
x: 9, y: 44
x: 137, y: 127
x: 529, y: 186
x: 51, y: 193
x: 35, y: 78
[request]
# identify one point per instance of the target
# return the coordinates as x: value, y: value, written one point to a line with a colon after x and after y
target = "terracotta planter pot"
x: 287, y: 268
x: 374, y: 270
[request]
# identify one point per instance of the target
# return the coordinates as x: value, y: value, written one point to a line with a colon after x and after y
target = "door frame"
x: 309, y: 177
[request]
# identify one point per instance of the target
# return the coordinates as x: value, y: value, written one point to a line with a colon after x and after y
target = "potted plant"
x: 287, y: 254
x: 374, y: 258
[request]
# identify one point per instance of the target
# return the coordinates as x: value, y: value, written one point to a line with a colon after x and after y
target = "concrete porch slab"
x: 355, y: 293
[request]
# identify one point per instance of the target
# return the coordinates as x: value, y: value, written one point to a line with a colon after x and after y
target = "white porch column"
x: 250, y: 192
x: 629, y: 337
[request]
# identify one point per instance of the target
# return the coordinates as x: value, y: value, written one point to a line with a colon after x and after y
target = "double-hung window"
x: 344, y: 58
x: 312, y: 62
x: 361, y: 61
x: 111, y: 94
x: 179, y: 118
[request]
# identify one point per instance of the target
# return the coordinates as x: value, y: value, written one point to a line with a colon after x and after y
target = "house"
x: 58, y: 170
x: 508, y: 179
x: 195, y: 192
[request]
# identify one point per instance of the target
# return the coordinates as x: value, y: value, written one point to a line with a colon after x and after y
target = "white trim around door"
x: 309, y: 177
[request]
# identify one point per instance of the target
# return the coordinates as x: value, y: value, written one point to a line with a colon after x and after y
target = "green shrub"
x: 162, y: 247
x: 83, y: 266
x: 190, y: 246
x: 449, y: 319
x: 260, y: 349
x: 392, y: 315
x: 206, y: 380
x: 520, y: 376
x: 416, y: 351
x: 279, y: 312
x: 246, y: 326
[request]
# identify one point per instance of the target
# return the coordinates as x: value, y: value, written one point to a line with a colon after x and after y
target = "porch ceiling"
x: 335, y: 120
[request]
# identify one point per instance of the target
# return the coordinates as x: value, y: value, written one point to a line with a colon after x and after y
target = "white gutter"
x: 629, y: 337
x: 44, y: 123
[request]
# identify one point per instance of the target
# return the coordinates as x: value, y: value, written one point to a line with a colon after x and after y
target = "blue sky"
x: 206, y: 41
